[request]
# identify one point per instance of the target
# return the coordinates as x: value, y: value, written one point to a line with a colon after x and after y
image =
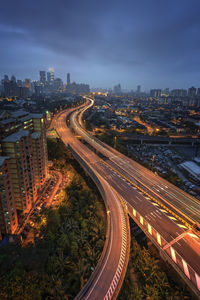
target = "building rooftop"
x: 19, y: 113
x: 2, y: 159
x: 35, y: 135
x: 16, y: 136
x: 26, y: 118
x: 7, y: 121
x: 192, y: 168
x: 36, y: 116
x: 3, y: 112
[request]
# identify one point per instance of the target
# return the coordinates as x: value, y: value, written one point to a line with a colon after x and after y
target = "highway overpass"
x: 107, y: 278
x: 165, y: 213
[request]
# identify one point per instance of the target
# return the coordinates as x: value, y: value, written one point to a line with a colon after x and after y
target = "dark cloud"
x: 103, y: 42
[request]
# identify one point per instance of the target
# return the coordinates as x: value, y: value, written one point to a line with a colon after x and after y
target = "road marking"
x: 198, y: 281
x: 182, y: 226
x: 173, y: 254
x: 185, y: 267
x: 159, y: 239
x: 134, y: 212
x: 163, y: 210
x: 161, y: 204
x: 172, y: 218
x: 149, y: 229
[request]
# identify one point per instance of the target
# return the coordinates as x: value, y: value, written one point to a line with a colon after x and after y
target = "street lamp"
x: 115, y: 141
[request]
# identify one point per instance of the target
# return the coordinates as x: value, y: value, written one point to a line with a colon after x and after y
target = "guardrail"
x: 188, y: 221
x: 124, y: 255
x: 185, y: 270
x: 170, y: 254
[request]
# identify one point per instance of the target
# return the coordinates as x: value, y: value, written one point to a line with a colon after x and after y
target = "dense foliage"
x: 147, y: 277
x: 70, y: 242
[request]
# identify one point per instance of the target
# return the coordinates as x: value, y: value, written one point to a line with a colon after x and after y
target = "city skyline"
x: 103, y: 43
x: 48, y: 82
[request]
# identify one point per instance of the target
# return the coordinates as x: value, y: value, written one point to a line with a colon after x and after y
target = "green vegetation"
x: 69, y: 244
x: 173, y: 178
x: 152, y: 280
x: 88, y: 125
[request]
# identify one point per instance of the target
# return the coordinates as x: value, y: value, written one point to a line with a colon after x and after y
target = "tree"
x: 53, y: 220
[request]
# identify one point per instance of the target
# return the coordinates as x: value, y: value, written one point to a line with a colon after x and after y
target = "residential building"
x: 23, y: 143
x: 155, y: 93
x: 138, y: 89
x: 8, y: 213
x: 18, y: 146
x: 192, y: 91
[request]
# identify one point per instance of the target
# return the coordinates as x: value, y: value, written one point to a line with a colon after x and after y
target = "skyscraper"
x: 68, y: 78
x: 117, y: 89
x: 50, y: 75
x: 42, y: 77
x: 192, y: 91
x: 138, y: 89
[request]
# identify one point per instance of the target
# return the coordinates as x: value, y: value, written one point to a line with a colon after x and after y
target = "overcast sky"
x: 154, y: 43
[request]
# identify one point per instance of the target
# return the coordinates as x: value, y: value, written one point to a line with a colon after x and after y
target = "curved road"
x: 163, y: 211
x: 107, y: 278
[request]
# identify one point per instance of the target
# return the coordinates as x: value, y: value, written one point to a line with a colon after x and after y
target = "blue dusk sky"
x: 154, y: 43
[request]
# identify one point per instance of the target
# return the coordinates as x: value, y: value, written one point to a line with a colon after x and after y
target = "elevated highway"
x: 106, y: 280
x: 158, y: 140
x: 165, y: 213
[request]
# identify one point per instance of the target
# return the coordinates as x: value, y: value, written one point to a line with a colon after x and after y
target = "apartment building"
x: 8, y: 213
x: 18, y: 146
x: 23, y: 142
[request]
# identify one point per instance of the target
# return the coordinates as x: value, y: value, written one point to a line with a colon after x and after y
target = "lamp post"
x: 115, y: 142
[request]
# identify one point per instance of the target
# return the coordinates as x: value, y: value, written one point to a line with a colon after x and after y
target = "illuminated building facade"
x: 23, y: 142
x: 8, y: 213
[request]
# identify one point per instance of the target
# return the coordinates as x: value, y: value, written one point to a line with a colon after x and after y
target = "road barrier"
x: 125, y: 247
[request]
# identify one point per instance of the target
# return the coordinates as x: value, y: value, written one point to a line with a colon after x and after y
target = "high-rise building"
x: 43, y: 77
x: 50, y: 75
x: 178, y: 93
x: 8, y: 213
x: 192, y: 91
x: 18, y: 146
x: 19, y: 83
x: 165, y: 92
x: 27, y: 83
x: 13, y: 78
x: 138, y: 89
x: 38, y: 125
x: 155, y: 93
x: 6, y: 78
x: 23, y: 143
x: 198, y: 92
x: 39, y: 159
x: 68, y: 78
x: 117, y: 89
